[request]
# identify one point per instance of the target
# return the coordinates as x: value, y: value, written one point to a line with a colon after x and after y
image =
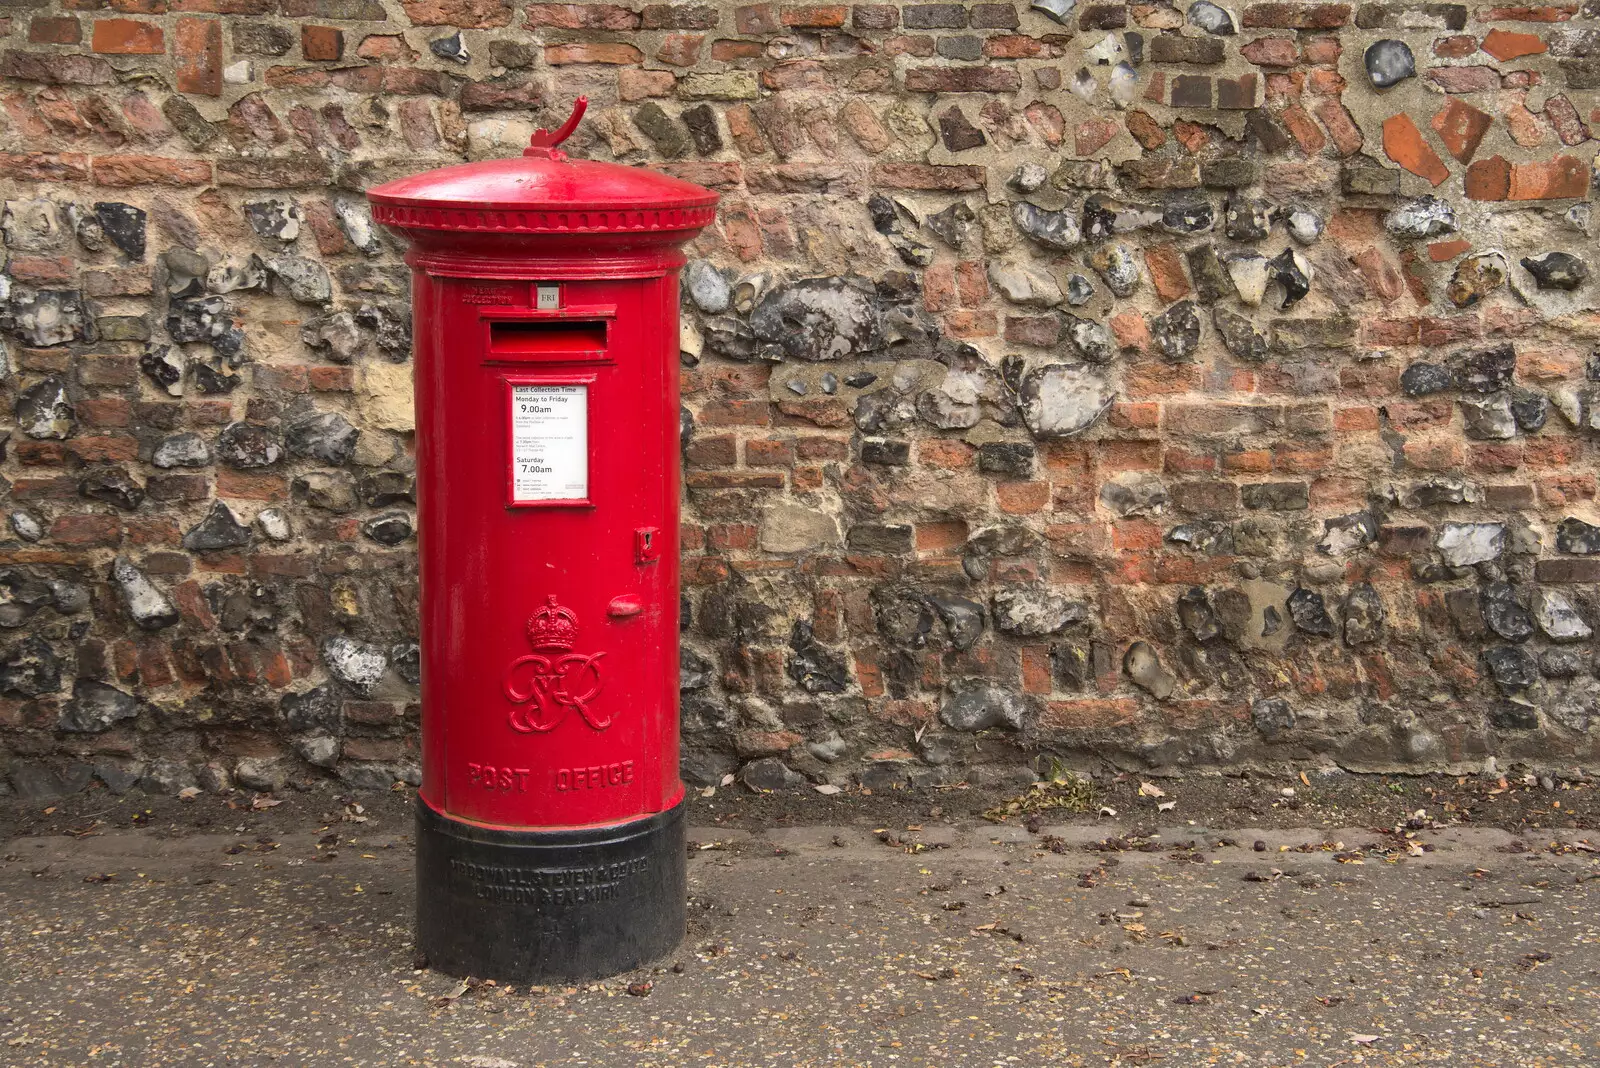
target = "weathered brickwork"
x: 1174, y: 384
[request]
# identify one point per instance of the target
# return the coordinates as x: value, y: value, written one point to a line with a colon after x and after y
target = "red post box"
x: 550, y: 828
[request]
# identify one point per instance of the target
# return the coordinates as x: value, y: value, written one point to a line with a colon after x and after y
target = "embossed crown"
x: 553, y: 627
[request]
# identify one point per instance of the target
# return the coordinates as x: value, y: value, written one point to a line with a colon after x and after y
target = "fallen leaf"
x: 1364, y: 1040
x: 1166, y: 806
x: 263, y: 802
x: 1150, y: 789
x: 189, y: 793
x: 827, y: 789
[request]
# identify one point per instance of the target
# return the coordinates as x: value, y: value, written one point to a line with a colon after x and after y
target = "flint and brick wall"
x: 1173, y: 385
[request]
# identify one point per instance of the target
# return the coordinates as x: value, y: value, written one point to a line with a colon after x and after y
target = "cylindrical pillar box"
x: 550, y: 828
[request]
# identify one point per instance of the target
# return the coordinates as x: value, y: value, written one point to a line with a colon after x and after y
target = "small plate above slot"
x: 547, y: 340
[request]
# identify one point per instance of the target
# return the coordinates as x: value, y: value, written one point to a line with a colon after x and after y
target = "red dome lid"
x: 543, y: 192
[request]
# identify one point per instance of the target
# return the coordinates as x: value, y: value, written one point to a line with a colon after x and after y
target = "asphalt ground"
x: 945, y: 942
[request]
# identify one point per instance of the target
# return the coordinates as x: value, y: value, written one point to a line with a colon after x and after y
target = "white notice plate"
x: 549, y: 443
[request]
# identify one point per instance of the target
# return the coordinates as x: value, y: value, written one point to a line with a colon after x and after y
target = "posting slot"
x: 535, y: 340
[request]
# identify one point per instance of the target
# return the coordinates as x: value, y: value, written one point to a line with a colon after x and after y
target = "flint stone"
x: 218, y: 530
x: 694, y: 671
x: 1291, y: 271
x: 769, y: 774
x: 205, y: 319
x: 1027, y: 177
x: 331, y: 491
x: 1422, y: 379
x: 1562, y: 664
x: 47, y: 317
x: 94, y: 707
x: 1104, y: 217
x: 325, y: 436
x: 1303, y: 224
x: 1513, y: 667
x: 1239, y: 334
x: 1347, y: 534
x: 976, y: 705
x: 1021, y: 284
x: 1211, y: 281
x: 390, y: 528
x: 1135, y: 493
x: 896, y: 222
x: 1489, y: 370
x: 1209, y: 17
x: 1364, y: 615
x: 234, y: 277
x: 356, y: 222
x: 1144, y: 667
x: 390, y: 323
x: 1576, y: 705
x: 963, y: 619
x: 306, y: 280
x: 1488, y: 418
x: 1079, y: 290
x: 1060, y: 400
x: 383, y: 489
x: 1033, y: 613
x: 31, y: 225
x: 1389, y: 62
x: 1559, y: 620
x: 30, y: 668
x: 1503, y: 614
x: 819, y: 319
x: 249, y: 445
x: 211, y: 380
x: 1577, y: 537
x: 187, y: 272
x: 335, y: 335
x: 1530, y: 409
x: 1118, y: 266
x: 147, y: 605
x: 814, y: 668
x: 44, y: 411
x: 1197, y: 615
x: 1271, y: 716
x: 26, y: 526
x: 318, y: 709
x: 707, y: 287
x: 1557, y: 270
x: 903, y: 615
x: 182, y: 450
x: 114, y: 486
x: 1247, y: 218
x: 274, y: 524
x: 359, y: 665
x: 1465, y: 544
x: 1052, y: 229
x: 1476, y: 277
x: 1177, y: 331
x: 1250, y: 275
x: 1090, y: 340
x: 278, y: 219
x: 1310, y: 613
x: 124, y: 224
x: 954, y: 224
x: 163, y: 367
x: 1059, y: 10
x: 1426, y: 216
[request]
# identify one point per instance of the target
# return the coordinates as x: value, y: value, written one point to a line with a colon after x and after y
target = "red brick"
x: 1403, y: 143
x: 581, y: 16
x: 1489, y: 179
x: 592, y: 52
x: 319, y: 43
x: 1461, y: 127
x: 928, y: 176
x: 963, y: 80
x: 150, y: 170
x: 1504, y: 45
x: 1166, y: 272
x: 53, y: 29
x: 128, y: 37
x: 197, y: 55
x: 814, y: 16
x: 1296, y: 16
x: 1557, y: 179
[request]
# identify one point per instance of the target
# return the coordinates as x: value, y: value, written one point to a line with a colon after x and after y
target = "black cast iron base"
x: 536, y: 906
